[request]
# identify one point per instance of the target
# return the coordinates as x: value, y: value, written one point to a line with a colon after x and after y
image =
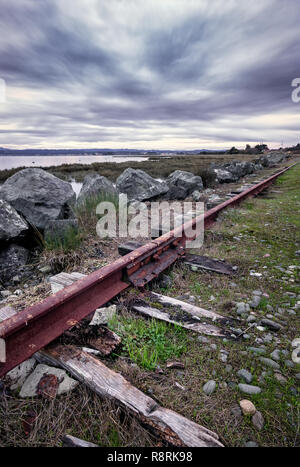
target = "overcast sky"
x: 177, y: 74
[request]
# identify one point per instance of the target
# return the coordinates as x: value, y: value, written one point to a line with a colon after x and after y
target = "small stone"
x: 241, y: 308
x: 203, y: 340
x: 251, y: 319
x: 257, y: 292
x: 228, y: 368
x: 236, y: 412
x: 276, y: 355
x: 251, y: 444
x: 271, y: 324
x: 280, y: 378
x: 209, y: 387
x: 255, y: 301
x: 289, y: 363
x: 103, y: 315
x: 45, y: 269
x: 248, y: 408
x: 257, y: 350
x: 258, y: 420
x: 270, y: 363
x: 223, y: 357
x: 248, y: 389
x: 245, y: 375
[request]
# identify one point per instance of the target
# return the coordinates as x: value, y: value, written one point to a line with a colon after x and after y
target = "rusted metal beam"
x: 28, y: 331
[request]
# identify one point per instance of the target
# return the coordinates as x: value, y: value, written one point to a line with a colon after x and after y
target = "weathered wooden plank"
x: 7, y: 312
x: 187, y: 307
x: 64, y: 279
x: 2, y: 351
x: 72, y: 442
x: 190, y: 324
x: 169, y: 425
x: 208, y: 264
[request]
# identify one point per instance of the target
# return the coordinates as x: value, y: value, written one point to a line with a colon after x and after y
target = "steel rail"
x: 28, y: 331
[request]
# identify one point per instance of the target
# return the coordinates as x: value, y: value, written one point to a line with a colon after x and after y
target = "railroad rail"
x: 33, y: 328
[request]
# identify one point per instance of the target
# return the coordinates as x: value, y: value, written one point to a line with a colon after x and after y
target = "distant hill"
x: 104, y: 152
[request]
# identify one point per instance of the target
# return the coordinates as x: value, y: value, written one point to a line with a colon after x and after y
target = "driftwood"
x: 72, y: 442
x: 190, y: 323
x: 187, y: 307
x: 170, y: 426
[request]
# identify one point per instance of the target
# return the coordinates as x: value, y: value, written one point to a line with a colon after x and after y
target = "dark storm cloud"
x: 118, y: 71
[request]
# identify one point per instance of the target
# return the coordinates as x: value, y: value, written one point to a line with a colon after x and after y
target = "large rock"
x: 12, y: 261
x: 30, y: 387
x: 224, y: 176
x: 182, y: 184
x: 271, y: 159
x: 38, y: 196
x: 239, y: 169
x: 93, y: 185
x: 140, y: 186
x: 12, y: 225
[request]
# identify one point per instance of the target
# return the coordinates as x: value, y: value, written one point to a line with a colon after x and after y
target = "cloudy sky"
x: 177, y: 74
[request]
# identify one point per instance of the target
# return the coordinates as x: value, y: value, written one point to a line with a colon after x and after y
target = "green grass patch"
x: 149, y: 343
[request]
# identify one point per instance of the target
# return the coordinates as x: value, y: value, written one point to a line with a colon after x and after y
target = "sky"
x: 153, y: 74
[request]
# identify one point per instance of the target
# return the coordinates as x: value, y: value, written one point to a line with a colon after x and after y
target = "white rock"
x: 30, y: 385
x: 103, y: 315
x: 18, y: 375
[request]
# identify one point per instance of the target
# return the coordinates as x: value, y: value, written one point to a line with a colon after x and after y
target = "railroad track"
x: 25, y: 333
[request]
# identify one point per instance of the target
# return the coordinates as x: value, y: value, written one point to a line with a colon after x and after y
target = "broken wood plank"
x: 64, y: 279
x: 106, y: 341
x: 187, y: 323
x: 169, y: 425
x: 208, y: 264
x: 187, y: 307
x: 72, y: 442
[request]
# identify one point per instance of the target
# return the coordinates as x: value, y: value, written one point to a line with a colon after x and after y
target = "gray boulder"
x: 12, y: 260
x: 240, y: 169
x: 93, y: 185
x: 140, y: 186
x: 224, y: 176
x: 182, y: 184
x: 38, y: 196
x: 12, y: 225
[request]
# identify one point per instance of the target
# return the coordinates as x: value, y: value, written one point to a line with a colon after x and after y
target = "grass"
x: 66, y: 241
x: 86, y: 210
x: 149, y: 343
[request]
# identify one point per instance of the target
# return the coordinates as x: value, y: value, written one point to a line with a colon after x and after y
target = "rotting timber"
x: 25, y: 333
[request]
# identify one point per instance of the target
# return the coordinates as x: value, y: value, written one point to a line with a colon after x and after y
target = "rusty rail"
x: 28, y: 331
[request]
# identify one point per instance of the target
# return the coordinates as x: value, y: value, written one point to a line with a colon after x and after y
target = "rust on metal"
x: 30, y: 330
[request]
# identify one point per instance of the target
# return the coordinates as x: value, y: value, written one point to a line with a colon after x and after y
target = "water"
x: 12, y: 162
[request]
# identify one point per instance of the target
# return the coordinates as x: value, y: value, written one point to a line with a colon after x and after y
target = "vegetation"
x: 149, y: 343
